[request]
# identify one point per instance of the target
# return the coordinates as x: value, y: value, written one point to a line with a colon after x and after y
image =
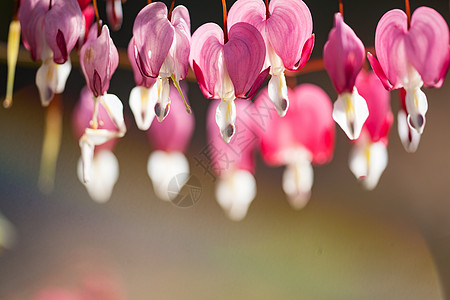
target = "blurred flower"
x: 170, y: 140
x: 233, y: 162
x: 344, y: 55
x: 412, y: 55
x: 369, y: 156
x: 228, y: 70
x: 114, y: 13
x: 305, y: 136
x: 161, y: 48
x: 286, y: 26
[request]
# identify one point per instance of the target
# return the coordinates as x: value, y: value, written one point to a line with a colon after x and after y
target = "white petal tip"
x: 350, y: 111
x: 161, y: 113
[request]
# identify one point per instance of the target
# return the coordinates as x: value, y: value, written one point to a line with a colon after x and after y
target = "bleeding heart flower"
x: 228, y: 70
x: 369, y: 156
x: 286, y: 26
x: 233, y: 162
x: 344, y: 55
x: 303, y: 137
x: 409, y: 136
x: 114, y: 13
x: 162, y: 46
x: 170, y: 140
x: 98, y: 168
x: 50, y: 33
x: 412, y: 56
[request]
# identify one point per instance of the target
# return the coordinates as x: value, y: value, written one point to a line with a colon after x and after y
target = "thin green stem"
x: 175, y: 82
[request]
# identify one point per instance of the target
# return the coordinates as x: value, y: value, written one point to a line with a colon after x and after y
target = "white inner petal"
x: 162, y: 105
x: 277, y: 89
x: 162, y: 168
x: 104, y: 173
x: 62, y: 73
x: 409, y: 136
x: 417, y: 106
x: 368, y: 161
x: 298, y: 178
x: 350, y: 111
x: 234, y: 193
x: 114, y: 108
x: 142, y: 103
x: 225, y: 119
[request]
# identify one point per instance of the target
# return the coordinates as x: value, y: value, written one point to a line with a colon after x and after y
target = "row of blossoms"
x: 258, y: 40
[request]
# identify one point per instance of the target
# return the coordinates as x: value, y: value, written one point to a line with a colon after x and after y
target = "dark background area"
x: 391, y: 243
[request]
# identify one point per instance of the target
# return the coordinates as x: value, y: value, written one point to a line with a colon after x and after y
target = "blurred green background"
x: 391, y: 243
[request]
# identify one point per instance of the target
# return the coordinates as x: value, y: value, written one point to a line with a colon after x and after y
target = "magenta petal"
x: 288, y: 28
x: 244, y: 54
x: 114, y: 13
x: 201, y: 80
x: 138, y: 78
x: 153, y: 36
x: 175, y: 132
x: 390, y: 46
x: 379, y: 71
x: 182, y: 46
x: 248, y: 11
x: 207, y: 51
x: 343, y: 55
x: 64, y: 18
x: 99, y: 55
x: 239, y: 152
x: 306, y: 53
x: 444, y: 71
x: 380, y: 117
x: 427, y: 43
x: 258, y: 82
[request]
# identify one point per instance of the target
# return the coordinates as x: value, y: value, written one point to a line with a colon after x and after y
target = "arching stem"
x: 97, y: 17
x: 175, y: 82
x: 341, y: 8
x: 225, y: 26
x: 267, y: 9
x: 169, y: 16
x: 408, y: 13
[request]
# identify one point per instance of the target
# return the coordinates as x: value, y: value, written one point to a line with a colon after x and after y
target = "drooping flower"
x: 305, y: 136
x: 344, y: 55
x: 99, y: 59
x: 228, y: 69
x: 142, y: 97
x: 162, y: 46
x: 411, y: 56
x: 369, y: 157
x: 170, y: 140
x: 286, y: 26
x: 102, y: 169
x: 114, y: 13
x: 234, y: 162
x: 50, y: 33
x: 409, y: 136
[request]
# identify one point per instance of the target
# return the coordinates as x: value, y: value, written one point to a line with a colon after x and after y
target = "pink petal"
x: 63, y: 25
x: 207, y: 51
x: 201, y: 80
x: 174, y: 134
x: 99, y: 59
x: 244, y: 54
x: 182, y: 45
x: 248, y: 11
x: 114, y: 13
x: 258, y: 82
x: 343, y: 55
x: 239, y: 152
x: 153, y: 35
x: 138, y: 78
x: 379, y: 71
x: 82, y: 116
x: 427, y: 43
x: 288, y: 28
x: 306, y: 53
x: 390, y: 46
x: 31, y: 17
x: 380, y: 117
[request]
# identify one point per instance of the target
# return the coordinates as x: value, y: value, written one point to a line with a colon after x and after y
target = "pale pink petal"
x: 99, y: 59
x: 63, y: 25
x: 31, y: 17
x: 175, y: 132
x: 288, y: 28
x: 248, y: 11
x: 153, y: 36
x: 244, y: 54
x: 390, y: 46
x: 427, y: 44
x: 207, y: 52
x: 380, y: 117
x: 379, y: 71
x: 343, y: 55
x: 306, y: 53
x: 139, y: 79
x: 239, y: 152
x: 182, y: 41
